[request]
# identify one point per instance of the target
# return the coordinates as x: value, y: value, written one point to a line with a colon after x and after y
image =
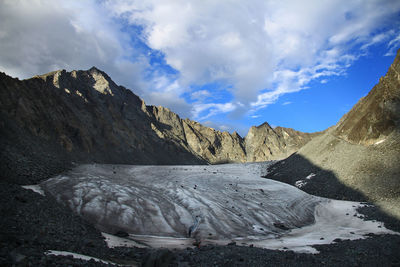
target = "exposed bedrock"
x: 360, y: 155
x: 84, y: 116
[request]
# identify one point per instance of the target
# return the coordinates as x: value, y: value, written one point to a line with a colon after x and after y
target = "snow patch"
x: 311, y: 175
x: 78, y: 256
x: 116, y: 241
x: 303, y: 182
x: 300, y: 183
x: 334, y: 219
x: 35, y: 188
x: 380, y: 142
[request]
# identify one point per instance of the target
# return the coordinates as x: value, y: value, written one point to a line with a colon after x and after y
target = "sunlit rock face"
x: 214, y: 202
x: 376, y: 115
x: 87, y: 117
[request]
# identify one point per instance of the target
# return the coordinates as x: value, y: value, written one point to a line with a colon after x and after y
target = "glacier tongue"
x: 215, y: 203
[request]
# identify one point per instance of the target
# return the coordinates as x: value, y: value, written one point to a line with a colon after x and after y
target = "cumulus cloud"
x: 200, y: 95
x: 262, y: 48
x: 211, y: 109
x: 259, y: 50
x: 41, y: 36
x: 167, y: 93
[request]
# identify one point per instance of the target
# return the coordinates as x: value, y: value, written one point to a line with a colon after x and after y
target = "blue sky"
x: 228, y: 64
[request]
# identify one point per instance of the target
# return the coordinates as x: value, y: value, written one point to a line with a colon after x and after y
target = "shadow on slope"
x: 43, y: 129
x: 28, y: 159
x: 320, y: 182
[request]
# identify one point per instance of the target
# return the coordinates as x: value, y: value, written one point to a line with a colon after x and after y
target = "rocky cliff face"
x: 87, y: 116
x: 265, y: 143
x: 359, y: 156
x: 260, y: 144
x: 376, y: 115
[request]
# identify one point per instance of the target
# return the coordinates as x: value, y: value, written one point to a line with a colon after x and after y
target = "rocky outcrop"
x: 88, y: 117
x: 215, y: 146
x: 265, y: 143
x: 260, y: 144
x: 360, y: 155
x: 376, y: 115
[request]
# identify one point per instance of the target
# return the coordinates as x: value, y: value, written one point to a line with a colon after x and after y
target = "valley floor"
x: 32, y: 224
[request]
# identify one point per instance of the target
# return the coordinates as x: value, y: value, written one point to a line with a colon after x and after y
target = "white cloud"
x: 258, y: 49
x: 42, y: 36
x: 286, y: 103
x: 278, y: 46
x: 393, y: 45
x: 211, y: 109
x: 200, y: 95
x: 170, y: 101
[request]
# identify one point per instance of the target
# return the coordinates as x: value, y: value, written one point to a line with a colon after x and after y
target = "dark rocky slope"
x: 49, y: 122
x: 84, y: 116
x: 33, y: 148
x: 359, y: 158
x: 88, y: 116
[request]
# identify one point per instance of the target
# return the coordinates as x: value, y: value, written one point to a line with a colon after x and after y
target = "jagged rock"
x: 376, y: 115
x: 90, y: 118
x: 359, y: 157
x: 88, y: 115
x: 265, y: 143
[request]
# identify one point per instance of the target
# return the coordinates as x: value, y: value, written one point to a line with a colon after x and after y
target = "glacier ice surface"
x: 157, y: 205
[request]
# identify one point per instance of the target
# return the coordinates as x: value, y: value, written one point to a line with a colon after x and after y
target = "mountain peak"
x: 94, y: 68
x: 97, y: 70
x: 264, y: 125
x: 376, y: 115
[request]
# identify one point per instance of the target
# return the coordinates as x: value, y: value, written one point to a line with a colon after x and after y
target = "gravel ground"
x: 31, y: 224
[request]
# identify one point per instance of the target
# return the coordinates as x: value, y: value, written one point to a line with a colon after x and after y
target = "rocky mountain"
x: 85, y: 116
x: 376, y: 115
x: 359, y: 156
x: 265, y: 143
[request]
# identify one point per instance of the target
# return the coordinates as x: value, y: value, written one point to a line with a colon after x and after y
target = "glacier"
x: 181, y: 206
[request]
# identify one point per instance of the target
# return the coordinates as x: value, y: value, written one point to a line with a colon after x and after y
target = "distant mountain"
x: 84, y: 116
x: 265, y: 143
x: 359, y: 157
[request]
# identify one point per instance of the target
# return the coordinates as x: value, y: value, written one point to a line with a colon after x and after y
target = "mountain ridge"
x: 91, y: 118
x: 360, y: 155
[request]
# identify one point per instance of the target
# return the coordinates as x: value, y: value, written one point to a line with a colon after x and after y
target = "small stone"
x: 281, y: 226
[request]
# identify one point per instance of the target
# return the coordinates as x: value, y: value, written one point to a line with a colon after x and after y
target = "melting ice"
x: 171, y: 206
